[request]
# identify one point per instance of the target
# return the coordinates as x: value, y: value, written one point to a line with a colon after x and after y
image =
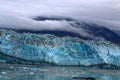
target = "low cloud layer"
x: 19, y: 14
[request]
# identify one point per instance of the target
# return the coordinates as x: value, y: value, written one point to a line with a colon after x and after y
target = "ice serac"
x: 25, y: 47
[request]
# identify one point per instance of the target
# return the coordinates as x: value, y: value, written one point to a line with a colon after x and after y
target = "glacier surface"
x: 58, y: 50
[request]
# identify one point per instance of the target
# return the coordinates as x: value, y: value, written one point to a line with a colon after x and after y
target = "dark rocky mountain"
x: 99, y: 31
x: 44, y: 18
x: 93, y: 29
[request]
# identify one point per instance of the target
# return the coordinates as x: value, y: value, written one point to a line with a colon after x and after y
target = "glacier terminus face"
x: 31, y: 48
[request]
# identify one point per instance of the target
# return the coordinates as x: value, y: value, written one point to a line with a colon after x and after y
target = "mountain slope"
x: 99, y: 31
x: 84, y: 29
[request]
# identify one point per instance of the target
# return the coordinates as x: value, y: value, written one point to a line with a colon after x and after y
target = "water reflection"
x: 23, y: 72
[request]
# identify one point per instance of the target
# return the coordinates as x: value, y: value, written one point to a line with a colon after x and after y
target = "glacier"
x: 31, y: 48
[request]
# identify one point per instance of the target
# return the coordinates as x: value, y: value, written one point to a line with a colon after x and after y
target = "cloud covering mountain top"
x: 19, y: 13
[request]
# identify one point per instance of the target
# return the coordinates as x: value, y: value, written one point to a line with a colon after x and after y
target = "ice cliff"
x: 25, y: 47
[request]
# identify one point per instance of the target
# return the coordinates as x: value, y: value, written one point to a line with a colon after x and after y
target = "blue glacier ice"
x: 58, y: 50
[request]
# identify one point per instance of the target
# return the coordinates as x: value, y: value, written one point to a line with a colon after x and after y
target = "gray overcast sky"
x: 19, y: 12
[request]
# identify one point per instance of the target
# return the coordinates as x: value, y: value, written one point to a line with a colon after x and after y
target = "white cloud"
x: 18, y: 13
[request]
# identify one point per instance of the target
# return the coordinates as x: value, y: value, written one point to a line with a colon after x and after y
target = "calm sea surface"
x: 33, y: 72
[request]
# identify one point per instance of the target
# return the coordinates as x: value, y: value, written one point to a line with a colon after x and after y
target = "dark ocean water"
x: 35, y: 72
